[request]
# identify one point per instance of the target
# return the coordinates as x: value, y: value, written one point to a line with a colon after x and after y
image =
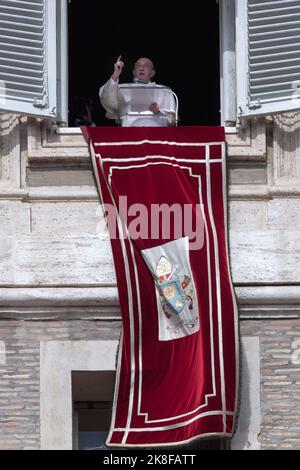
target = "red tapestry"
x: 164, y: 194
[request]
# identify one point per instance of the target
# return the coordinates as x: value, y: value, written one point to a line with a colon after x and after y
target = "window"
x: 259, y: 68
x: 182, y: 42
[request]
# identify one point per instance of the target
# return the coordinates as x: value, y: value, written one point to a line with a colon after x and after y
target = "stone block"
x: 250, y: 215
x: 66, y: 218
x: 265, y: 256
x: 284, y: 214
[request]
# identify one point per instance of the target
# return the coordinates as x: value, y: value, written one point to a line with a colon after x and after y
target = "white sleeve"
x: 111, y: 99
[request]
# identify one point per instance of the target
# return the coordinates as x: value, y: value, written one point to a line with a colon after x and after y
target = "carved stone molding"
x: 268, y: 301
x: 287, y: 122
x: 252, y: 173
x: 286, y: 149
x: 249, y: 143
x: 9, y: 151
x: 49, y: 147
x: 7, y: 122
x: 44, y: 143
x: 102, y: 303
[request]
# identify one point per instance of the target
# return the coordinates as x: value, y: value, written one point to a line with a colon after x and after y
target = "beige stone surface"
x: 56, y: 260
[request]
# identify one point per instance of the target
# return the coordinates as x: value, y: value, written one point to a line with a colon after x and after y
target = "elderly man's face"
x: 144, y: 70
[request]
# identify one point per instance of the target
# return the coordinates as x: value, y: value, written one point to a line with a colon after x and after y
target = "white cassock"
x: 129, y: 103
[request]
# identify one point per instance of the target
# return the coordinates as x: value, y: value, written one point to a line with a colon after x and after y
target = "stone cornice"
x: 101, y: 302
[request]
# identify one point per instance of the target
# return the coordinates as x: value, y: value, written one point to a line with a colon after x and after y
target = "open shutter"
x: 28, y: 56
x: 268, y: 56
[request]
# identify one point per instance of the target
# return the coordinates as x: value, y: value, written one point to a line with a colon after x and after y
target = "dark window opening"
x: 92, y: 394
x: 183, y: 43
x: 93, y: 421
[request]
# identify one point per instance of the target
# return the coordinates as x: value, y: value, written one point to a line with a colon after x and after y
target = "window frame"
x: 62, y: 63
x: 228, y: 76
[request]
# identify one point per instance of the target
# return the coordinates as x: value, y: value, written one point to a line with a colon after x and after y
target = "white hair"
x: 135, y: 65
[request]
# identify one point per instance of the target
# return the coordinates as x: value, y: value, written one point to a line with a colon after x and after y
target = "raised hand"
x: 118, y: 68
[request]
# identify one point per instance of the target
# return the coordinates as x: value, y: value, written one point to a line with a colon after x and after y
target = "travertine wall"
x: 57, y: 279
x: 279, y: 381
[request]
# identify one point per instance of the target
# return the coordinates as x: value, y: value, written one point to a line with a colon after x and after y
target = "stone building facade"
x: 59, y: 312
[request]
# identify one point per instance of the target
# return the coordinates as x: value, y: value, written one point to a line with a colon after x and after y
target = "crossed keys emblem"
x: 171, y: 288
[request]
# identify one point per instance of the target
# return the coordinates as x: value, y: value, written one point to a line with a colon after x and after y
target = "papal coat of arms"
x: 176, y: 297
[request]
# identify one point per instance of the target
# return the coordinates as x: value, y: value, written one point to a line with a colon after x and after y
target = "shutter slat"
x: 18, y: 55
x: 13, y: 12
x: 267, y: 66
x: 24, y: 42
x: 7, y: 77
x: 21, y: 19
x: 21, y: 86
x: 4, y: 62
x: 34, y: 36
x: 273, y: 51
x: 17, y: 48
x: 270, y: 96
x: 272, y: 19
x: 273, y: 26
x: 261, y: 5
x: 279, y: 85
x: 274, y: 71
x: 280, y: 42
x: 23, y: 5
x: 284, y: 10
x: 258, y: 57
x: 275, y: 79
x: 273, y: 35
x: 22, y: 95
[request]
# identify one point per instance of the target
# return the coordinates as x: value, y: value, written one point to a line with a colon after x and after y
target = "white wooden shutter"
x: 28, y: 56
x: 268, y: 56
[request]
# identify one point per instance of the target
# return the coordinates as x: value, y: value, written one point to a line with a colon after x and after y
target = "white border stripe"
x: 235, y: 307
x: 178, y: 443
x: 121, y: 228
x: 155, y: 142
x: 218, y: 283
x: 210, y: 299
x: 140, y: 322
x: 130, y: 305
x: 180, y: 425
x: 154, y: 157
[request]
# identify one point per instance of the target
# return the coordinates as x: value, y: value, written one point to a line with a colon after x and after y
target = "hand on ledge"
x: 154, y: 108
